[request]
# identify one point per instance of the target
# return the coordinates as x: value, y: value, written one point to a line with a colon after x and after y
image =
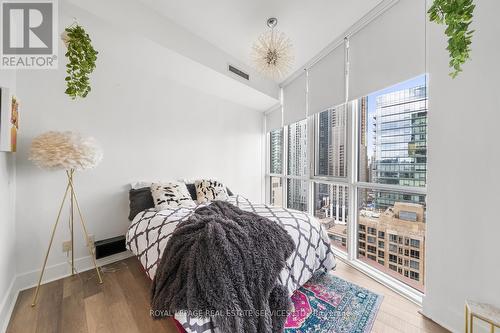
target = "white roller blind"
x: 389, y: 50
x: 326, y: 81
x: 274, y: 119
x: 294, y: 100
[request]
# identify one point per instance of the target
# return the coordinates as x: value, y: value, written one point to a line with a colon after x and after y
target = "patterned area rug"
x: 329, y: 304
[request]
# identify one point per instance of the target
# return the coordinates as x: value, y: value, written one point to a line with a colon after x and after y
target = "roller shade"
x: 274, y: 119
x: 389, y: 50
x: 326, y: 81
x: 294, y: 100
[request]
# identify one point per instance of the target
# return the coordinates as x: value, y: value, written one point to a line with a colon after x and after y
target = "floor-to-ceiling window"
x: 276, y: 166
x: 386, y: 132
x: 330, y: 173
x: 392, y: 165
x: 297, y: 188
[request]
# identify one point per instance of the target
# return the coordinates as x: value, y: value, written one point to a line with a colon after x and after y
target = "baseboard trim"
x: 52, y: 273
x: 7, y: 305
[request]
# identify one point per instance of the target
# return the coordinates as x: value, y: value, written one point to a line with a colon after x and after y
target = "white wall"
x: 7, y: 214
x: 149, y: 126
x: 463, y: 252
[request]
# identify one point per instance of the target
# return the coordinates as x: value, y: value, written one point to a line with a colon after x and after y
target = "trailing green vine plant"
x: 457, y: 16
x: 82, y: 57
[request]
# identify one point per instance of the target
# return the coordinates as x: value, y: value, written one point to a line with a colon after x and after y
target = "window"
x: 276, y: 191
x: 414, y: 276
x: 415, y: 254
x: 331, y: 142
x: 297, y: 189
x: 276, y: 151
x: 331, y: 208
x: 275, y: 167
x: 297, y: 194
x: 414, y: 264
x: 392, y: 152
x: 309, y: 171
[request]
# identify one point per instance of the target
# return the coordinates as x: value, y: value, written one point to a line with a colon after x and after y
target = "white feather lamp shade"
x: 65, y: 150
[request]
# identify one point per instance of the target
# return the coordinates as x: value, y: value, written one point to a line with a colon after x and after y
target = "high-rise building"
x: 400, y: 141
x: 394, y: 241
x: 331, y: 159
x: 276, y: 151
x: 364, y: 174
x: 297, y: 165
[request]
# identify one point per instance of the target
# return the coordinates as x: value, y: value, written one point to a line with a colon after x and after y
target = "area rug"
x: 327, y: 303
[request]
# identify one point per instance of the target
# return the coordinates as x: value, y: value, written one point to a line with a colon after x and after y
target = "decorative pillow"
x: 171, y: 195
x: 192, y: 190
x: 209, y: 190
x: 139, y: 200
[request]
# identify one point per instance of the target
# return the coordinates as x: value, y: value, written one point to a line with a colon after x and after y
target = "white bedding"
x: 150, y: 230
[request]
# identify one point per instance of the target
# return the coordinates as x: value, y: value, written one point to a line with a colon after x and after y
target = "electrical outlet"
x: 92, y: 241
x: 66, y: 246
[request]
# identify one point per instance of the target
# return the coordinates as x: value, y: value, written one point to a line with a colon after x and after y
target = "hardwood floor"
x: 79, y: 305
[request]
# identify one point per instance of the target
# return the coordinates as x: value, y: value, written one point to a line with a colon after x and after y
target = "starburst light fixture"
x: 272, y: 52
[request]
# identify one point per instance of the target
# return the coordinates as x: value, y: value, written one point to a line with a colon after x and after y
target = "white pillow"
x: 209, y: 190
x: 171, y: 195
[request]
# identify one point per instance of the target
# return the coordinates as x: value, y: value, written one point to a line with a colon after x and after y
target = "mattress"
x: 150, y: 231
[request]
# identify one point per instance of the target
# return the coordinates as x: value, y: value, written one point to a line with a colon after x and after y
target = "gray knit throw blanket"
x: 224, y: 263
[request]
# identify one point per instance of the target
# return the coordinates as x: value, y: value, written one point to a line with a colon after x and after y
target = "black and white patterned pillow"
x: 171, y: 195
x: 209, y: 190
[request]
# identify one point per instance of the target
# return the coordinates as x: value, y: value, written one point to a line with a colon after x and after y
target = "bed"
x: 150, y: 230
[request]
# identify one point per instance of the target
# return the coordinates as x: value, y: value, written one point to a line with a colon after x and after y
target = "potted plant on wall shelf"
x: 81, y: 60
x: 457, y: 16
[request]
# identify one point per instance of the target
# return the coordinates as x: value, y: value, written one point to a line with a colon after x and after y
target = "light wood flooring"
x: 121, y: 304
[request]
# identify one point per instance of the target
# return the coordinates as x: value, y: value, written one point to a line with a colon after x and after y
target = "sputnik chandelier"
x: 272, y: 52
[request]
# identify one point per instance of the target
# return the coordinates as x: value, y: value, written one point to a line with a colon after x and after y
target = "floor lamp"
x: 70, y: 152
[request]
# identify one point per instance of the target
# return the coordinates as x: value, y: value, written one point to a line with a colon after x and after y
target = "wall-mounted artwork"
x: 9, y: 120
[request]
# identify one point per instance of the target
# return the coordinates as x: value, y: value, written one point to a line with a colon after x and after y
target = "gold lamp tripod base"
x: 73, y: 202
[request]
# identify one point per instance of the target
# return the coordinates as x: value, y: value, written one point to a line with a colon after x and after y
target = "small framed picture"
x: 9, y: 120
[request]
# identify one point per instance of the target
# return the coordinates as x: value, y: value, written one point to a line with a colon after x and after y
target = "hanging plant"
x: 457, y: 16
x: 81, y: 61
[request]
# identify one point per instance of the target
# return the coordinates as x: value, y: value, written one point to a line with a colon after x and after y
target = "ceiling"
x: 233, y: 25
